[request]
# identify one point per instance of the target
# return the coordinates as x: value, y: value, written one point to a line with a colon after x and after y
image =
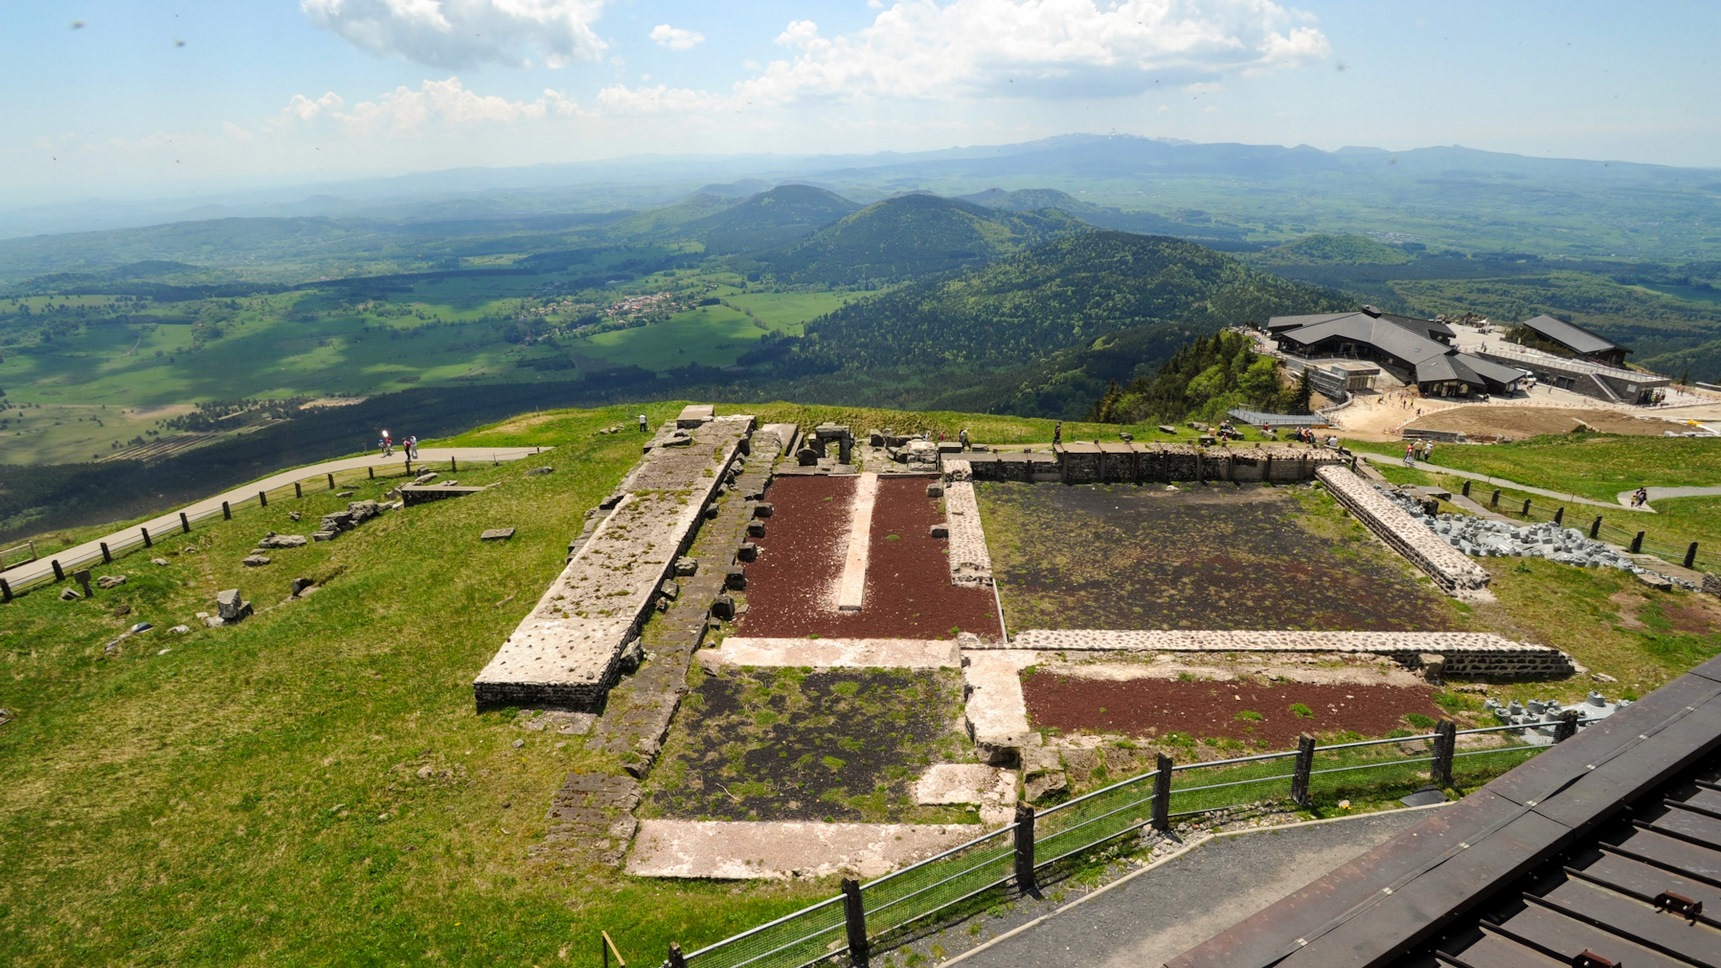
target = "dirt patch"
x: 1321, y: 669
x: 1213, y: 557
x: 790, y: 588
x: 1267, y: 714
x: 331, y: 402
x: 793, y: 744
x: 1520, y: 422
x: 1694, y: 616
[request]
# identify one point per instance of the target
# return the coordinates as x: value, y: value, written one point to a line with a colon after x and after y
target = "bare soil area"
x: 1269, y: 714
x: 1212, y: 557
x: 794, y: 744
x: 1488, y: 421
x: 790, y: 588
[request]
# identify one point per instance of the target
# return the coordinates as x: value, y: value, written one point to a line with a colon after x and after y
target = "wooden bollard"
x: 298, y: 490
x: 5, y: 591
x: 372, y: 470
x: 453, y: 465
x: 263, y: 499
x: 107, y: 556
x: 59, y: 573
x: 184, y: 523
x: 331, y: 480
x: 226, y: 511
x: 146, y: 541
x: 1691, y: 555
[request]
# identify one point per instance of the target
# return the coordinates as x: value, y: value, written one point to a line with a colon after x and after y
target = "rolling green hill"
x: 1041, y: 332
x: 1332, y: 250
x: 910, y: 236
x: 772, y: 218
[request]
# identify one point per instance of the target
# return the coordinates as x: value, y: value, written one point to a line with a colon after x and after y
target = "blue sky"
x: 124, y: 96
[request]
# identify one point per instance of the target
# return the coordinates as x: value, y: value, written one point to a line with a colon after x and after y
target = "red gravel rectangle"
x: 1214, y: 709
x: 791, y: 588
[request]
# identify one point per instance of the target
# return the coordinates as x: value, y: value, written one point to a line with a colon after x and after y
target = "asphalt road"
x: 1153, y: 915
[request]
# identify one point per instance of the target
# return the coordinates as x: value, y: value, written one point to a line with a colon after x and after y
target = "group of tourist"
x: 408, y: 445
x: 1640, y: 497
x: 1414, y: 451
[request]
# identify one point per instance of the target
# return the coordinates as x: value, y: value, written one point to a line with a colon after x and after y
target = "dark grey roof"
x: 1402, y: 337
x: 1498, y: 373
x: 1290, y: 322
x: 1572, y: 336
x: 1596, y: 845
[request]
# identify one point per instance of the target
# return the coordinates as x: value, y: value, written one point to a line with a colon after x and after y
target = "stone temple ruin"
x: 633, y: 560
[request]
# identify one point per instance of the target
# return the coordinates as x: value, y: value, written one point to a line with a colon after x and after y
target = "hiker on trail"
x: 1057, y: 433
x: 387, y: 444
x: 642, y: 423
x: 1410, y: 455
x: 962, y: 435
x: 1427, y: 449
x: 412, y: 446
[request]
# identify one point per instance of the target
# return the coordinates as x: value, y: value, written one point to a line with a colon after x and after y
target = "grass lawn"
x: 790, y: 311
x: 1596, y: 466
x: 708, y: 335
x: 312, y: 786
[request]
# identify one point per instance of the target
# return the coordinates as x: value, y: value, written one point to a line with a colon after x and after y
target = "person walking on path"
x: 1057, y: 433
x: 387, y: 444
x: 642, y: 423
x: 962, y: 435
x: 1410, y: 455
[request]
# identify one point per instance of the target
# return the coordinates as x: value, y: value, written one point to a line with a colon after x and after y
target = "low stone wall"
x: 1468, y: 655
x: 970, y: 562
x: 1127, y: 462
x: 1712, y: 584
x: 1450, y: 569
x: 567, y: 651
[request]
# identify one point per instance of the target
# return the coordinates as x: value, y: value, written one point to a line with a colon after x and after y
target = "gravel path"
x: 1658, y: 493
x: 1496, y: 481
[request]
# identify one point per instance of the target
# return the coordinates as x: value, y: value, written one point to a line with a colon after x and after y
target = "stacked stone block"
x: 1450, y: 569
x: 970, y: 562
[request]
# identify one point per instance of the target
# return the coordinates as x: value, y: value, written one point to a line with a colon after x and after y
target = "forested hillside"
x: 1042, y: 332
x: 1205, y: 378
x: 908, y: 237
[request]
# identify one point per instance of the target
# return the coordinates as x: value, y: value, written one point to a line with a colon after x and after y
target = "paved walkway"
x: 1659, y: 493
x: 1497, y: 481
x: 1153, y: 915
x: 168, y: 524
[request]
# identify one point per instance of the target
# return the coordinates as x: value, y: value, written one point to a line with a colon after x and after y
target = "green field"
x: 788, y: 312
x: 709, y: 336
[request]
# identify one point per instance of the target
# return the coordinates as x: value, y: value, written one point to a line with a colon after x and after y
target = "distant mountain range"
x: 1444, y: 197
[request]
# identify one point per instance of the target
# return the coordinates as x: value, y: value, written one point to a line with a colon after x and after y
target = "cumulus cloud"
x: 676, y: 38
x: 621, y: 99
x: 457, y: 34
x: 942, y: 50
x: 447, y: 103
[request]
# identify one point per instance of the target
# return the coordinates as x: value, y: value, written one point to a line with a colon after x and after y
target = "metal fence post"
x: 184, y: 523
x: 1445, y: 744
x: 1595, y: 528
x: 1691, y: 555
x: 1560, y: 515
x: 226, y: 511
x: 1637, y: 543
x: 1162, y: 794
x: 675, y: 959
x: 1025, y: 881
x: 263, y: 499
x: 1304, y: 767
x: 854, y: 915
x: 107, y: 556
x: 1567, y: 726
x: 146, y: 541
x: 59, y: 573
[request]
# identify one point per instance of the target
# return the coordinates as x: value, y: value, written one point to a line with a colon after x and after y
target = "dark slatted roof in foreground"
x: 1605, y: 844
x: 1570, y: 335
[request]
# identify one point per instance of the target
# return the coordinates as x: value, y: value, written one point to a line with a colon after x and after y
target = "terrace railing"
x: 845, y: 929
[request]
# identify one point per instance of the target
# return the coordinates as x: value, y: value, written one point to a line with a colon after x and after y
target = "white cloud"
x: 465, y: 33
x: 447, y: 103
x: 927, y: 49
x: 623, y: 100
x: 676, y: 38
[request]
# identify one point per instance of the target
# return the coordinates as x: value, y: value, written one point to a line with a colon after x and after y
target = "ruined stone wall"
x: 1468, y: 655
x: 1082, y: 462
x: 1450, y: 569
x: 970, y: 562
x: 1712, y: 584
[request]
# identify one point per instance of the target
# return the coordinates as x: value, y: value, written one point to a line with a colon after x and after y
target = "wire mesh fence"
x: 1368, y: 769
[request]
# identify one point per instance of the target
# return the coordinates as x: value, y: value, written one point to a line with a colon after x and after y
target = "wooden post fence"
x: 1466, y: 488
x: 226, y: 511
x: 1637, y: 543
x: 1025, y: 880
x: 298, y: 489
x: 1691, y: 555
x: 1595, y: 528
x: 331, y: 480
x: 5, y: 591
x: 263, y: 499
x: 1526, y: 511
x: 1494, y: 502
x: 184, y: 523
x: 854, y: 918
x: 675, y: 959
x: 146, y: 542
x: 1303, y: 770
x: 1445, y: 745
x: 1162, y: 794
x: 59, y: 573
x: 107, y: 556
x: 1560, y: 515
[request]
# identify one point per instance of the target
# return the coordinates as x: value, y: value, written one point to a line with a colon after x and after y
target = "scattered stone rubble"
x: 1453, y: 572
x: 1483, y: 538
x: 357, y: 513
x: 1542, y: 717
